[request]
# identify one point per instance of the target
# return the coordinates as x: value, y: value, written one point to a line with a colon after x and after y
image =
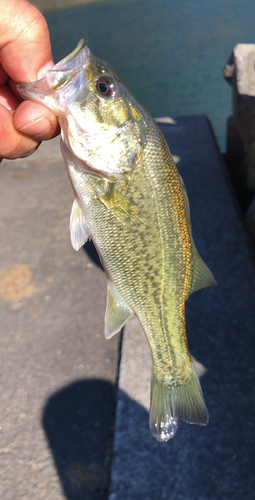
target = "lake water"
x: 170, y: 54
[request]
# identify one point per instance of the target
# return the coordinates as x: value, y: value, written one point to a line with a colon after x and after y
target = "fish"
x: 131, y: 201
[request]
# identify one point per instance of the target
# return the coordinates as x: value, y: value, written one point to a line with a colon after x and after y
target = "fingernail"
x: 37, y: 128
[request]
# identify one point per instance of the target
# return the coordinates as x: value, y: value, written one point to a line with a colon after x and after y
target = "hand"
x: 24, y: 50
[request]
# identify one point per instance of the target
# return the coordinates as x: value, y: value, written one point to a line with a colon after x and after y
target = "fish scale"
x: 131, y: 200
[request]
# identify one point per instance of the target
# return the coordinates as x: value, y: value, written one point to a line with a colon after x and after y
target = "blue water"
x: 170, y: 54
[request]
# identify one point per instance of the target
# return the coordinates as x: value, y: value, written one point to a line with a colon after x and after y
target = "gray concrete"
x: 57, y: 371
x: 201, y: 463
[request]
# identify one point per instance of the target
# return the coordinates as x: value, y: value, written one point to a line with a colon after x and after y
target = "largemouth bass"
x: 131, y: 200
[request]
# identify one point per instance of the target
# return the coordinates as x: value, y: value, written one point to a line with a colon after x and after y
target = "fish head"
x: 101, y: 122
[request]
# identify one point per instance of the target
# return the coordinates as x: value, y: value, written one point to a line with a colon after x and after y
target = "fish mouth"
x: 58, y: 76
x: 77, y: 58
x: 30, y: 90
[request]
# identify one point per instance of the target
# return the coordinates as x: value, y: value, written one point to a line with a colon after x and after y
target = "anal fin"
x: 117, y: 312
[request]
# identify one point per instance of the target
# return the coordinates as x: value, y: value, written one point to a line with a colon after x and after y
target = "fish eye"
x: 105, y: 86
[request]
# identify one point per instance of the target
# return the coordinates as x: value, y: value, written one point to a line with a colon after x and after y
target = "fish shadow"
x: 90, y: 249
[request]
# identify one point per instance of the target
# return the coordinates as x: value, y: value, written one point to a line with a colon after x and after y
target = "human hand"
x: 24, y: 50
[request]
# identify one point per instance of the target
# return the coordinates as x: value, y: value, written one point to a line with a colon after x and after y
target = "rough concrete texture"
x: 239, y: 72
x: 215, y: 462
x: 58, y: 373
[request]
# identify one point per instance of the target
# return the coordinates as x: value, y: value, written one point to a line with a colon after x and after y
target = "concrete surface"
x: 58, y: 373
x: 215, y: 462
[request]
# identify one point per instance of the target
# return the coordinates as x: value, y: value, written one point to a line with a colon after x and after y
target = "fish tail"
x: 172, y: 402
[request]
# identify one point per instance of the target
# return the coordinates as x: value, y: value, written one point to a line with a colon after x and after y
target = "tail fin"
x: 170, y: 403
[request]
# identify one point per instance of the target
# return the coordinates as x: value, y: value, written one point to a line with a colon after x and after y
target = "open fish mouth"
x: 56, y: 78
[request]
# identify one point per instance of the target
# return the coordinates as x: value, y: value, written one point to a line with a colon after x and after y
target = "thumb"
x: 24, y: 40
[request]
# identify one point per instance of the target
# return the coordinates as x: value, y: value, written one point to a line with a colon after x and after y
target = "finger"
x: 24, y: 33
x: 4, y: 77
x: 36, y: 120
x: 7, y: 98
x: 13, y: 143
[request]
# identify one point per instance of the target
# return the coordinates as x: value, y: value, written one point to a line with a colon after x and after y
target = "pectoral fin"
x: 117, y: 312
x: 121, y: 206
x: 79, y: 230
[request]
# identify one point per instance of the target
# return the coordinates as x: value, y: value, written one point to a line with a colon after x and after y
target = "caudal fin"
x: 170, y: 403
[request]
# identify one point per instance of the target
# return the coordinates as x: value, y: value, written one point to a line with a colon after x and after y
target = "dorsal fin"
x: 202, y: 276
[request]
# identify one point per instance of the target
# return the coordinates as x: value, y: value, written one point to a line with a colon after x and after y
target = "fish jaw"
x: 40, y: 92
x: 61, y: 83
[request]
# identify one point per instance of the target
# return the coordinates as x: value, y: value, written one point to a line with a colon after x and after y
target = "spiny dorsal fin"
x: 202, y: 276
x: 79, y: 231
x: 117, y: 312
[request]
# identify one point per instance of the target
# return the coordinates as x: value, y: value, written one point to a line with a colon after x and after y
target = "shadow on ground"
x: 78, y: 422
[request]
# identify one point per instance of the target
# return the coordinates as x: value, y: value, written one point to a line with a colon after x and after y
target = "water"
x: 169, y: 53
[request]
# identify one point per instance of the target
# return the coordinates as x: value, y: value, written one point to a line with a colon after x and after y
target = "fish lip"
x: 23, y: 85
x: 76, y: 59
x: 30, y: 90
x: 71, y: 64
